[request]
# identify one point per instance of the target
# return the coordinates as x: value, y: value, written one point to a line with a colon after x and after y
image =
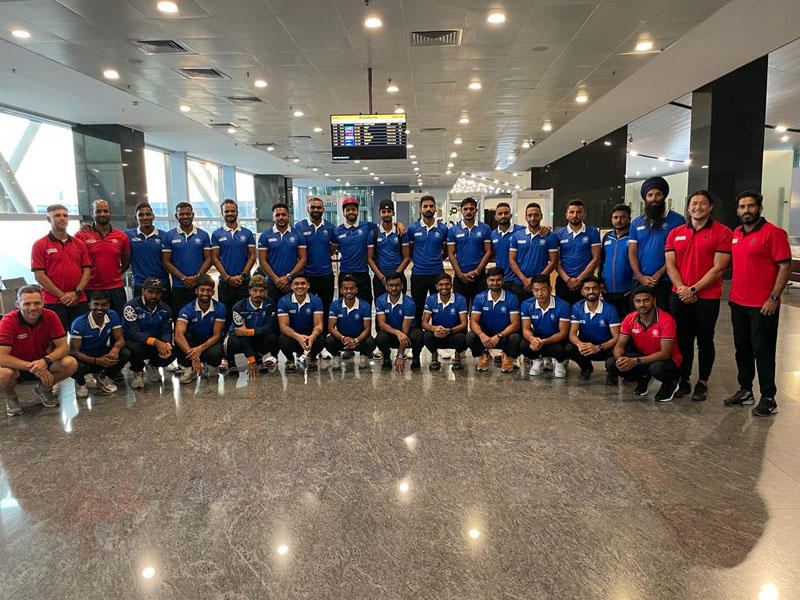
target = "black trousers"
x: 117, y: 295
x: 566, y: 294
x: 622, y: 302
x: 67, y: 314
x: 84, y: 367
x: 663, y: 290
x: 518, y: 290
x: 664, y: 370
x: 695, y: 321
x: 557, y: 351
x: 385, y: 341
x: 289, y: 346
x: 508, y: 344
x: 275, y: 293
x: 211, y: 356
x: 335, y: 346
x: 140, y: 352
x: 456, y: 341
x: 469, y: 290
x: 755, y: 337
x: 364, y: 286
x: 323, y: 286
x: 166, y: 295
x: 258, y: 345
x: 229, y: 296
x: 181, y: 297
x: 378, y: 289
x: 585, y: 362
x: 421, y: 287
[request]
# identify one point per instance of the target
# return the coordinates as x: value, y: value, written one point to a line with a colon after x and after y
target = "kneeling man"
x: 254, y: 330
x: 394, y: 312
x: 198, y: 332
x: 350, y: 323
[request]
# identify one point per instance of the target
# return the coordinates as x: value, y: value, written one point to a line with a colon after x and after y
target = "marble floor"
x: 357, y: 483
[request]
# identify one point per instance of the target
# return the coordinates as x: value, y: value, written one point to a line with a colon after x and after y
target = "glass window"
x: 246, y: 195
x: 204, y: 188
x: 156, y: 164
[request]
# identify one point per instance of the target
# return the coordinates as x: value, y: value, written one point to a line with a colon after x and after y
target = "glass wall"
x: 204, y: 187
x: 156, y: 165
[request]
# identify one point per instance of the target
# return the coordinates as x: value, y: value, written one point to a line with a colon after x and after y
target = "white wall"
x: 776, y: 186
x: 794, y: 219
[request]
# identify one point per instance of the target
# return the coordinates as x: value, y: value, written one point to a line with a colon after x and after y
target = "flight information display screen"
x: 368, y: 137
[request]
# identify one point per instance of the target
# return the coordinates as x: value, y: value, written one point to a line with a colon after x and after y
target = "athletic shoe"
x: 105, y: 385
x: 377, y: 355
x: 684, y: 389
x: 642, y: 385
x: 363, y: 361
x: 455, y: 364
x: 234, y: 371
x: 700, y: 392
x: 152, y: 373
x: 585, y: 375
x: 386, y: 365
x: 484, y: 361
x: 667, y: 391
x: 415, y: 364
x: 119, y: 377
x: 138, y: 380
x: 560, y: 369
x: 336, y: 362
x: 445, y: 354
x: 13, y: 409
x: 536, y: 367
x: 46, y: 396
x: 173, y: 366
x: 325, y: 355
x: 290, y: 367
x: 612, y: 380
x: 213, y: 372
x: 311, y: 365
x: 765, y: 407
x: 498, y: 359
x: 507, y: 364
x: 348, y: 354
x: 435, y: 365
x: 548, y: 363
x: 269, y: 362
x: 187, y: 376
x: 740, y: 397
x: 223, y: 366
x: 90, y: 380
x: 81, y: 391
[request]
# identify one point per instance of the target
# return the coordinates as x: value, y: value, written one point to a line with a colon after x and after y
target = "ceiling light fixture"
x: 185, y: 108
x: 526, y: 144
x: 475, y: 85
x: 399, y: 110
x: 450, y: 165
x: 785, y: 138
x: 22, y: 34
x: 381, y: 182
x: 548, y: 126
x: 339, y: 180
x: 231, y: 129
x: 607, y: 143
x: 464, y: 120
x: 260, y: 83
x: 416, y: 168
x: 409, y: 146
x: 357, y: 161
x: 496, y: 18
x: 662, y: 158
x: 110, y: 74
x: 365, y: 168
x: 317, y: 129
x: 373, y: 23
x: 167, y: 7
x: 454, y: 155
x: 457, y: 141
x: 414, y: 162
x: 298, y: 113
x: 581, y: 98
x: 392, y: 88
x: 314, y: 169
x: 644, y: 46
x: 295, y: 160
x: 327, y: 174
x: 372, y: 172
x: 633, y: 153
x: 270, y: 148
x: 780, y: 128
x: 412, y: 156
x: 448, y: 172
x: 375, y: 178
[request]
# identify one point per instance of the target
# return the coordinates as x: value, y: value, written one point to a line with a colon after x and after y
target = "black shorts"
x: 26, y: 376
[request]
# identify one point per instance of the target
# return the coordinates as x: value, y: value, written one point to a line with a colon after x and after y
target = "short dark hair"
x: 545, y: 279
x: 591, y: 279
x: 575, y: 202
x: 533, y: 205
x: 55, y: 207
x: 300, y: 275
x: 494, y: 272
x: 99, y: 295
x: 313, y: 198
x: 427, y: 197
x: 642, y: 289
x: 181, y: 205
x: 622, y: 207
x: 394, y: 275
x: 28, y: 289
x: 501, y: 204
x: 347, y: 278
x: 205, y: 279
x: 228, y: 201
x: 444, y: 275
x: 750, y: 194
x: 469, y: 200
x: 278, y: 205
x: 142, y: 205
x: 704, y: 193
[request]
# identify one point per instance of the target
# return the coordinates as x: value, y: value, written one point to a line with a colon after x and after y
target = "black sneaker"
x: 641, y: 386
x: 612, y: 380
x: 684, y: 389
x: 233, y: 371
x: 386, y: 364
x: 291, y: 367
x: 667, y: 391
x: 740, y: 397
x: 586, y: 375
x: 435, y: 365
x: 415, y: 364
x: 766, y: 407
x: 700, y: 393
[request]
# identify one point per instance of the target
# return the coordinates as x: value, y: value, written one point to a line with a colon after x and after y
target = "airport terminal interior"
x: 484, y: 474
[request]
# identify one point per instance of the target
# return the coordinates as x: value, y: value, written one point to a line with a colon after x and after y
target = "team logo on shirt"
x: 22, y: 336
x: 585, y: 239
x: 52, y: 250
x: 238, y: 320
x: 197, y: 240
x: 602, y: 321
x: 542, y: 242
x: 91, y: 241
x: 243, y: 238
x: 503, y: 309
x: 130, y: 314
x: 655, y: 333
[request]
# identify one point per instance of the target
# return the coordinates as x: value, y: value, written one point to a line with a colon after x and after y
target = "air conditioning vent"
x: 243, y: 100
x: 207, y: 73
x: 300, y: 137
x: 433, y: 130
x: 151, y: 47
x: 225, y: 125
x: 444, y: 37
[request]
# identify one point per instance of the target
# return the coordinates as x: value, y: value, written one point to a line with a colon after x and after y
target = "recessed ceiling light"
x: 607, y: 143
x: 375, y: 178
x: 548, y: 126
x: 450, y: 165
x: 633, y: 153
x: 110, y: 74
x: 392, y: 88
x: 399, y: 110
x: 512, y: 157
x: 581, y: 98
x: 414, y: 162
x: 314, y: 169
x: 185, y: 108
x: 464, y: 120
x: 167, y: 7
x: 373, y: 23
x: 496, y: 17
x: 498, y: 168
x: 416, y: 168
x: 317, y: 129
x: 358, y: 162
x: 260, y: 83
x: 475, y: 85
x: 637, y: 173
x: 298, y: 113
x: 381, y: 182
x: 644, y: 46
x: 270, y: 148
x: 409, y: 146
x: 454, y: 155
x: 780, y: 128
x: 688, y: 161
x: 327, y: 174
x: 662, y: 158
x: 784, y: 138
x: 448, y: 172
x: 457, y: 141
x: 231, y: 129
x: 412, y: 156
x: 339, y: 180
x: 526, y: 144
x: 295, y: 160
x: 365, y: 168
x: 22, y: 34
x: 347, y: 183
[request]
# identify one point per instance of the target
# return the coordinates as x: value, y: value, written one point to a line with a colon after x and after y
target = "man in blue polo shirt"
x: 494, y: 323
x: 198, y: 332
x: 545, y: 326
x: 444, y: 321
x: 147, y: 327
x: 532, y: 252
x: 394, y: 312
x: 648, y: 238
x: 146, y: 243
x: 300, y: 321
x: 281, y: 252
x: 593, y: 330
x: 185, y: 254
x: 233, y: 252
x: 387, y: 251
x: 579, y: 246
x: 428, y: 239
x: 469, y: 246
x: 615, y: 266
x: 353, y: 237
x: 501, y: 243
x: 253, y: 330
x: 350, y: 324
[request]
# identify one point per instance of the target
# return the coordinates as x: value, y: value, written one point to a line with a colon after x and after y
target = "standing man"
x: 444, y: 322
x: 428, y: 238
x: 494, y: 323
x: 501, y: 244
x: 762, y: 262
x: 198, y: 332
x: 532, y: 252
x: 146, y: 242
x: 254, y: 330
x: 593, y: 329
x: 33, y: 347
x: 469, y: 246
x: 147, y: 327
x: 545, y: 327
x: 394, y: 312
x: 109, y: 255
x: 185, y: 254
x: 233, y: 253
x: 60, y: 264
x: 300, y: 322
x: 646, y: 347
x: 350, y: 324
x: 648, y: 237
x: 281, y: 252
x: 615, y: 267
x: 387, y: 251
x: 580, y: 253
x: 352, y: 238
x: 697, y: 254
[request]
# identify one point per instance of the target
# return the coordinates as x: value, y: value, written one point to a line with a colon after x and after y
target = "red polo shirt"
x: 61, y: 262
x: 756, y: 256
x: 647, y: 339
x: 694, y: 253
x: 30, y: 342
x: 105, y: 254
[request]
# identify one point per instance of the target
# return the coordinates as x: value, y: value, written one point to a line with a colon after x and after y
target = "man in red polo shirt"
x: 761, y: 266
x: 33, y: 347
x: 651, y: 331
x: 109, y: 254
x: 60, y: 264
x: 697, y: 253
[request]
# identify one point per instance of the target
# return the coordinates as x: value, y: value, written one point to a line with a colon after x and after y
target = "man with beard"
x: 648, y: 236
x: 697, y: 254
x: 761, y: 267
x: 533, y: 251
x: 469, y: 246
x: 579, y: 245
x: 445, y: 323
x: 501, y: 244
x: 387, y: 251
x: 185, y: 254
x: 254, y: 330
x: 233, y: 252
x: 281, y: 252
x: 350, y: 324
x: 615, y: 267
x: 109, y: 255
x: 146, y: 243
x: 428, y: 239
x: 198, y: 332
x: 494, y: 323
x: 545, y: 326
x: 394, y: 312
x: 147, y: 327
x: 593, y: 329
x: 353, y: 237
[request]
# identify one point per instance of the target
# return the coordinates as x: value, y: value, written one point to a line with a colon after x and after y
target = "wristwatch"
x: 773, y: 297
x: 78, y: 292
x: 500, y: 335
x: 638, y: 361
x: 693, y: 289
x: 48, y: 361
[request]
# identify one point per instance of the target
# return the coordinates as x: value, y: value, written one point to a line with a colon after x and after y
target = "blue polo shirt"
x: 201, y: 323
x: 388, y: 248
x: 301, y: 316
x: 495, y: 316
x: 594, y: 328
x: 533, y: 251
x: 94, y: 337
x: 650, y: 241
x: 233, y: 245
x: 428, y: 241
x: 396, y: 314
x: 576, y: 248
x: 186, y: 250
x: 615, y: 270
x: 281, y: 248
x: 353, y: 242
x: 350, y: 321
x: 139, y: 324
x: 501, y: 242
x: 468, y: 243
x: 446, y: 315
x: 261, y: 319
x: 146, y: 255
x: 318, y: 246
x: 545, y: 322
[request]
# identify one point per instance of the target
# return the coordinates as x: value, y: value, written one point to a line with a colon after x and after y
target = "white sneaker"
x: 213, y: 372
x: 445, y: 355
x: 187, y: 376
x: 337, y: 362
x: 90, y: 380
x: 364, y: 361
x: 105, y: 385
x: 81, y: 391
x: 560, y: 369
x: 536, y: 367
x: 138, y: 380
x: 301, y: 361
x: 153, y: 374
x: 173, y: 366
x: 324, y: 355
x: 377, y: 355
x: 548, y: 363
x: 269, y: 361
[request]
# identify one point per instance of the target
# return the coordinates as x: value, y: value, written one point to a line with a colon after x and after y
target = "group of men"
x: 656, y: 294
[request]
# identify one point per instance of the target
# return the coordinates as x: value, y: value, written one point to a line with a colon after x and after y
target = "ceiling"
x: 314, y: 54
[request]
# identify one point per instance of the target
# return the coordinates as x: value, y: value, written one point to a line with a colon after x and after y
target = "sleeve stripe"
x: 184, y: 319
